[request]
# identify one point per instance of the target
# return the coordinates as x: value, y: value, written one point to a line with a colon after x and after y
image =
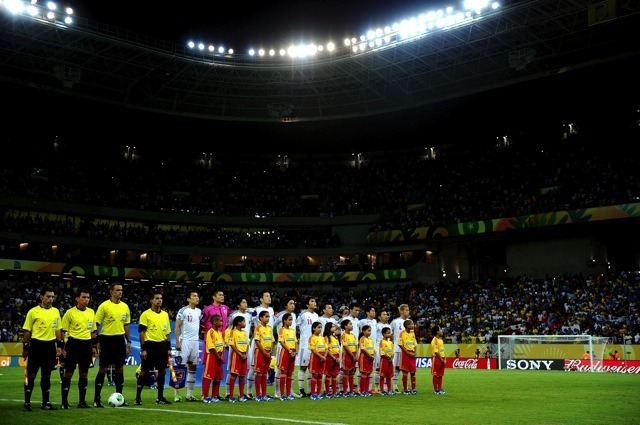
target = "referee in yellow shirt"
x: 41, y: 343
x: 113, y: 318
x: 155, y: 347
x: 79, y: 327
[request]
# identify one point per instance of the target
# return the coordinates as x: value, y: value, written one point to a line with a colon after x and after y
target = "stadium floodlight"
x: 475, y: 4
x: 406, y: 31
x: 16, y: 6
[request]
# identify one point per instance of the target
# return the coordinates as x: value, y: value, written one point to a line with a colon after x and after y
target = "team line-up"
x: 327, y: 351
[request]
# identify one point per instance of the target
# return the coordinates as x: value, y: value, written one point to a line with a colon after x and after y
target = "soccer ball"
x: 115, y: 400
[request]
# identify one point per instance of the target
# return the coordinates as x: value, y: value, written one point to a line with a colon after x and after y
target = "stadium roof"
x: 511, y: 46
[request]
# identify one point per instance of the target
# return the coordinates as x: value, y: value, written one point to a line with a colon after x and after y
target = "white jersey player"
x: 327, y: 316
x: 397, y: 326
x: 305, y: 322
x: 187, y: 332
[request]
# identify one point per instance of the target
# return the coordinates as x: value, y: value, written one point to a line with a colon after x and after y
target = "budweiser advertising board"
x: 614, y: 366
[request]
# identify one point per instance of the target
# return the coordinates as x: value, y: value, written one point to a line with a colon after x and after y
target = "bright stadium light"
x: 407, y: 30
x: 15, y: 6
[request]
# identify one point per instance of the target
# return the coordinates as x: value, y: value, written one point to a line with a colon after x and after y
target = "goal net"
x: 548, y: 352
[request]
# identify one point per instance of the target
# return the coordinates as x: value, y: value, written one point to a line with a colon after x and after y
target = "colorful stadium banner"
x: 555, y: 218
x: 394, y: 275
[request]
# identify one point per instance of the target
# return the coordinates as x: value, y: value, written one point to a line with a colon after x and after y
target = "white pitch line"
x: 230, y: 415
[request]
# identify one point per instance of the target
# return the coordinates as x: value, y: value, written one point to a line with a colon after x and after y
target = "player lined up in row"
x: 254, y: 339
x: 326, y: 351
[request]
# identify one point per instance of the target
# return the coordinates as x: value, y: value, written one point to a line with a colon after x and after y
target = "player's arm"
x: 26, y: 342
x: 168, y: 342
x: 95, y: 345
x: 127, y: 335
x: 59, y: 342
x: 143, y: 338
x: 178, y: 329
x: 63, y: 336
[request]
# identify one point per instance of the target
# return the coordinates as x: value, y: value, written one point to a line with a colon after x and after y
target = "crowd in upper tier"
x: 463, y: 182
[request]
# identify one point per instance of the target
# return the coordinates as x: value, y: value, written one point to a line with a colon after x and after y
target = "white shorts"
x: 376, y: 361
x: 396, y: 359
x: 303, y: 357
x: 252, y: 348
x: 190, y: 351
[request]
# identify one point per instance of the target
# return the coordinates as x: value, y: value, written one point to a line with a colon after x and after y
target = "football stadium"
x: 402, y: 213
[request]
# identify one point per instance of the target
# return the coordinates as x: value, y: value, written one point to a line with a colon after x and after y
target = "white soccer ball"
x: 115, y: 400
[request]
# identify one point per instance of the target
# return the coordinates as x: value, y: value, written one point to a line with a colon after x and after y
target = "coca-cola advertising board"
x: 461, y: 363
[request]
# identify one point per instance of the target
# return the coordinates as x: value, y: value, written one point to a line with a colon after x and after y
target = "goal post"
x: 548, y: 352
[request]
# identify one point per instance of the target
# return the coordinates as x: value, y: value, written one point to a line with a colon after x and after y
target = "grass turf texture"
x: 474, y: 397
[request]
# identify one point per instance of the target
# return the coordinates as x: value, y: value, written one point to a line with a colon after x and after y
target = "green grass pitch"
x: 474, y: 397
